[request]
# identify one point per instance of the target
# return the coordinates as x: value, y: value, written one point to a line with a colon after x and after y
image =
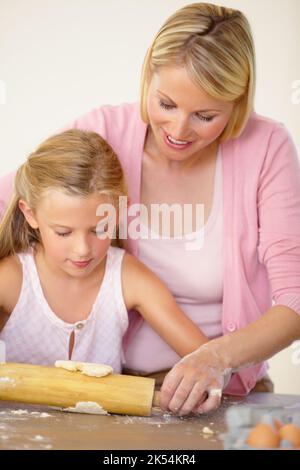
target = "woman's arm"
x: 274, y: 331
x: 144, y: 292
x: 278, y: 209
x: 204, y: 370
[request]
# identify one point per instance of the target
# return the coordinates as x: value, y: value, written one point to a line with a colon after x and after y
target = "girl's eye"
x: 62, y: 234
x: 164, y: 105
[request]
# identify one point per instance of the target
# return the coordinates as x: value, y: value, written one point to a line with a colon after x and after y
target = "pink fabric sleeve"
x: 279, y: 219
x: 6, y: 190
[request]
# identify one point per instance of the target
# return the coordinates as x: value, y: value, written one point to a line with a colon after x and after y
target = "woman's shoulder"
x: 121, y: 125
x: 260, y: 126
x: 11, y: 277
x: 100, y: 118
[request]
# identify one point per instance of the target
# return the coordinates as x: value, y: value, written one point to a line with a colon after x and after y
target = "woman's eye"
x: 205, y: 118
x: 164, y: 105
x: 62, y: 234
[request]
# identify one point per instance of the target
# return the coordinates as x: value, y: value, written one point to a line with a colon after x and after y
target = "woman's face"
x: 183, y: 118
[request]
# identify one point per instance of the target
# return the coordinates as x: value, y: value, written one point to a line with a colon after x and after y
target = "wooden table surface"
x: 37, y: 427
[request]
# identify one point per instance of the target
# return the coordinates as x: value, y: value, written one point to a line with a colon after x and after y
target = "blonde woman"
x: 195, y: 139
x: 64, y: 290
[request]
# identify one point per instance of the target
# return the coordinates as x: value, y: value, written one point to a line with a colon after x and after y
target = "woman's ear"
x: 28, y: 214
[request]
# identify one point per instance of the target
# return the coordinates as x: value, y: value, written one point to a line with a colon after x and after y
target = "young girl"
x: 65, y: 290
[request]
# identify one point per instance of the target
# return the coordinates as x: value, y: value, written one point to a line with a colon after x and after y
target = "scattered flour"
x: 19, y: 412
x: 207, y: 430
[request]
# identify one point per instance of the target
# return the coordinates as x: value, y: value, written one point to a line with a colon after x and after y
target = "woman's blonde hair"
x: 215, y: 45
x: 76, y: 162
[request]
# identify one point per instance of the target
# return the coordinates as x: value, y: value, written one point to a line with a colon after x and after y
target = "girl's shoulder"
x: 132, y: 266
x: 137, y: 280
x: 11, y: 277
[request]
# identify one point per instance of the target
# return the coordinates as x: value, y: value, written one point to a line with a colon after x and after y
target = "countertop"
x: 37, y: 427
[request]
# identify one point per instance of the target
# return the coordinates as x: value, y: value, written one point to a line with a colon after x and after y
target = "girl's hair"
x: 215, y: 45
x: 76, y: 162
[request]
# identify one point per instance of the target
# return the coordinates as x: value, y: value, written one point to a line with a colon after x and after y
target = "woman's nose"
x: 180, y: 127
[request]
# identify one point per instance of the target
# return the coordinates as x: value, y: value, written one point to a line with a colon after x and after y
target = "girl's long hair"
x: 76, y: 162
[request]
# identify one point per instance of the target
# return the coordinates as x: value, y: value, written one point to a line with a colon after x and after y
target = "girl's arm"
x: 144, y: 292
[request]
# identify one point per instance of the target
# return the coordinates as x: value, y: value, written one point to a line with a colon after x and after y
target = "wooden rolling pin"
x: 52, y: 386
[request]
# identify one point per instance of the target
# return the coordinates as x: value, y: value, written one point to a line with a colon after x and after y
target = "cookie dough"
x: 89, y: 407
x: 86, y: 368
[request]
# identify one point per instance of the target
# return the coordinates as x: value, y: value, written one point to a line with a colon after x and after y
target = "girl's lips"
x: 175, y: 146
x: 81, y: 264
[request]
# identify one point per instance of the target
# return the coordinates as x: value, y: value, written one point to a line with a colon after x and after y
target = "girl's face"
x: 69, y: 229
x: 183, y: 118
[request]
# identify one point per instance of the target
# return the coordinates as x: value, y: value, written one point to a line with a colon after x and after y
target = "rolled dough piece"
x: 90, y: 407
x: 86, y: 368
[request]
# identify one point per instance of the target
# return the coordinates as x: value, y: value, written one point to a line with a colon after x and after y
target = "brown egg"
x: 290, y: 432
x: 278, y: 424
x: 263, y: 436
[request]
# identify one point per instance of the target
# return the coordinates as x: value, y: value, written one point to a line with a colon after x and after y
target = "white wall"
x: 59, y: 58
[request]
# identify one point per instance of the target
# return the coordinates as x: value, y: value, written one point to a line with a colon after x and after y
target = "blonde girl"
x: 64, y: 289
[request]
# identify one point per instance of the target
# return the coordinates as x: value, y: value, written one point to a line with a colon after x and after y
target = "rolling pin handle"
x: 156, y: 399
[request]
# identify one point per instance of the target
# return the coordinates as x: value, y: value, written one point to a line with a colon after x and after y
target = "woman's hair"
x: 216, y: 47
x: 76, y: 162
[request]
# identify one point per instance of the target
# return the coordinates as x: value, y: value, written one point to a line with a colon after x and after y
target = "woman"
x: 195, y: 139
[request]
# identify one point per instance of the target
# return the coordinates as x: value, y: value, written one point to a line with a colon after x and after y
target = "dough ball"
x: 86, y: 368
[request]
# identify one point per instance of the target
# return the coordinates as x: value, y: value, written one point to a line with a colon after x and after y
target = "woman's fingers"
x: 169, y: 387
x: 212, y: 403
x: 182, y: 390
x: 195, y: 398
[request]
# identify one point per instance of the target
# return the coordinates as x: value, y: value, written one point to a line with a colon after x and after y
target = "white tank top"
x: 35, y: 334
x: 195, y: 279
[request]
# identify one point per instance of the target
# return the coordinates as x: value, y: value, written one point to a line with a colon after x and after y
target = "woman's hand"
x: 195, y: 383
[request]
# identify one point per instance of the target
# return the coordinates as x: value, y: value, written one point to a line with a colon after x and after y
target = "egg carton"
x: 241, y: 419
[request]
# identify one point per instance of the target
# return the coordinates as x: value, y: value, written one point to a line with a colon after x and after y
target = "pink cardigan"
x: 261, y: 215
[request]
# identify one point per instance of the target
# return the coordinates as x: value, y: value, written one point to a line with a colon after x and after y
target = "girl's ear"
x: 28, y: 214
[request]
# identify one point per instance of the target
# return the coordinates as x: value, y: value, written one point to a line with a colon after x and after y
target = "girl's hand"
x: 195, y: 383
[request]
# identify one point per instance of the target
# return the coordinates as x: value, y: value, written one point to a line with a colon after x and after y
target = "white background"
x: 60, y: 58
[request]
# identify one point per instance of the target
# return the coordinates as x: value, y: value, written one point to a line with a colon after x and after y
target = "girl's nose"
x: 81, y: 247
